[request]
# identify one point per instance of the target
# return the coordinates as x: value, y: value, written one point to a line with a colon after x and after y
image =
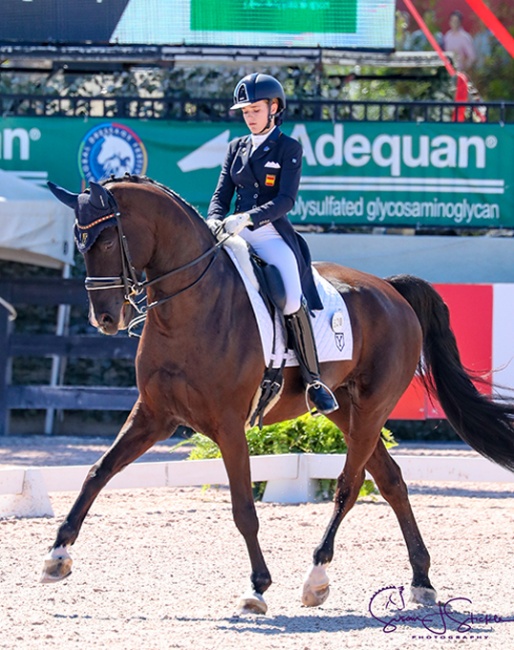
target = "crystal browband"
x: 95, y: 223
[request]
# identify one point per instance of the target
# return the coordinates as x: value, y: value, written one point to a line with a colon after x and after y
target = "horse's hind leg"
x: 362, y: 439
x: 389, y: 480
x: 138, y: 434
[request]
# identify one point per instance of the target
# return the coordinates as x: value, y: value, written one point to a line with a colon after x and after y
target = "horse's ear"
x: 99, y: 197
x: 68, y: 198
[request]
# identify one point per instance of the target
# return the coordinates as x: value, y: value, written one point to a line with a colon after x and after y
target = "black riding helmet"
x: 255, y: 87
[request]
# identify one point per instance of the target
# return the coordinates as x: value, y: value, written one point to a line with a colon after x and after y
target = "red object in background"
x: 471, y: 318
x: 461, y: 95
x: 442, y: 12
x: 491, y: 21
x: 470, y: 21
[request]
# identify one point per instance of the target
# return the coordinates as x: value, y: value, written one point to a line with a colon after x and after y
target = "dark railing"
x: 202, y: 109
x: 52, y: 292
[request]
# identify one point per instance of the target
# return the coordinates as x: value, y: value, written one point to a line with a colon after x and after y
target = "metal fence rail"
x: 55, y: 291
x: 203, y: 109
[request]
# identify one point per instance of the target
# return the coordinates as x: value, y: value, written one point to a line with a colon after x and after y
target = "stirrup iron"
x: 328, y: 396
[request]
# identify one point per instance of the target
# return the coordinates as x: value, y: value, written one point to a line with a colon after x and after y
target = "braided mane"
x: 146, y: 180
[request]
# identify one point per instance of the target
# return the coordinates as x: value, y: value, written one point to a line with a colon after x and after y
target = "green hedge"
x: 306, y: 434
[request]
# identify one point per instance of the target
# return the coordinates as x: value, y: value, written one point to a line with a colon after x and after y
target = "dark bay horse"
x: 200, y: 363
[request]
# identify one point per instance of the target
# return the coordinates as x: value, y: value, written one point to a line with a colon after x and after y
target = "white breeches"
x: 269, y: 245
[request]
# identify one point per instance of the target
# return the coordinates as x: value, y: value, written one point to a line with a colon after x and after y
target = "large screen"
x: 359, y: 24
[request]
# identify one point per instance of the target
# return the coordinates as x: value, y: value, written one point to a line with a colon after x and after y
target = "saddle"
x: 264, y: 285
x: 271, y: 285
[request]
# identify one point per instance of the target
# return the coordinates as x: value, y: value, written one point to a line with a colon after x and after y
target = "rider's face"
x: 256, y: 116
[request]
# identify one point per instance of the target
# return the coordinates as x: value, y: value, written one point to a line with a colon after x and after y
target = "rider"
x: 263, y: 171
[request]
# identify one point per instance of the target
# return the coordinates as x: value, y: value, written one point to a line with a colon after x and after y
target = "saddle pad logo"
x: 111, y: 148
x: 270, y: 180
x: 338, y: 329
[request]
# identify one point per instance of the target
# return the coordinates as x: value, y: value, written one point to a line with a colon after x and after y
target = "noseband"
x: 134, y: 289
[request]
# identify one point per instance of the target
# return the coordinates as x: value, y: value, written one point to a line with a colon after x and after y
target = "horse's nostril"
x: 106, y: 319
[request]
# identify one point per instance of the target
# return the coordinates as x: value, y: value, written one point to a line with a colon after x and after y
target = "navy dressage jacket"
x: 265, y: 184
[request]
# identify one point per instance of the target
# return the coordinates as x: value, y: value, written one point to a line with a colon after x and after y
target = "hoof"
x: 252, y: 603
x: 423, y: 595
x: 316, y: 586
x: 57, y: 565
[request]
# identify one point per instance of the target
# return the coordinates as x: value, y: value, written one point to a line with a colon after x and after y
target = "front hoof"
x: 316, y: 587
x: 57, y: 565
x: 252, y: 603
x: 423, y: 595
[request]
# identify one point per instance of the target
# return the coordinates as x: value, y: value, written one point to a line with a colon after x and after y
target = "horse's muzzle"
x: 107, y: 322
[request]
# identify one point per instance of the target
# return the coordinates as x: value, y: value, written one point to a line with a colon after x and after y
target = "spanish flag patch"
x: 270, y: 180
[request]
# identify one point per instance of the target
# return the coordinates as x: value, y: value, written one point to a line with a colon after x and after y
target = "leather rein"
x: 135, y: 289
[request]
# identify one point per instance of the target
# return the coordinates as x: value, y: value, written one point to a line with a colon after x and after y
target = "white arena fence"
x: 291, y: 478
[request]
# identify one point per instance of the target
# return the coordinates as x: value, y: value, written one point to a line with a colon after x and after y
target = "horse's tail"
x: 486, y: 425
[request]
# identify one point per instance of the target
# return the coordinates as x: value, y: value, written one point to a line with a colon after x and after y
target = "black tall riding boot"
x: 300, y: 328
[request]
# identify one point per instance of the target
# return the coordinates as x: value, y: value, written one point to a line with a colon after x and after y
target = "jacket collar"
x: 267, y: 145
x: 263, y: 150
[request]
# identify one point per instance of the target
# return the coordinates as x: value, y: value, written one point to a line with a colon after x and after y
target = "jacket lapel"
x: 245, y: 149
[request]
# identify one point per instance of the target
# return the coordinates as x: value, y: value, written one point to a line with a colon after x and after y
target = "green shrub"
x: 306, y: 434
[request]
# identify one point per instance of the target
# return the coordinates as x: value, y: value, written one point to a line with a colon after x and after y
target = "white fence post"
x: 296, y: 490
x: 31, y: 500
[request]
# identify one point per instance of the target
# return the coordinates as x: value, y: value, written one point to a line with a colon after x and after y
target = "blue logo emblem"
x: 111, y: 148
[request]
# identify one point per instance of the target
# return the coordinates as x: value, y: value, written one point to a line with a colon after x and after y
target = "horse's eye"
x: 108, y: 245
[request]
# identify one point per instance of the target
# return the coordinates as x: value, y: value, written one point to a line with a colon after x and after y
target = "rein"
x: 134, y: 288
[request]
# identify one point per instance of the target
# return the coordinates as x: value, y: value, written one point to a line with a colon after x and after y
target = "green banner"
x: 289, y: 16
x: 358, y: 173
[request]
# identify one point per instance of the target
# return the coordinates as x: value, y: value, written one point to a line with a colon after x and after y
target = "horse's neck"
x: 180, y: 238
x: 185, y: 241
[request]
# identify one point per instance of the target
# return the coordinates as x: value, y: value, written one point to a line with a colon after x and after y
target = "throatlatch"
x: 302, y: 338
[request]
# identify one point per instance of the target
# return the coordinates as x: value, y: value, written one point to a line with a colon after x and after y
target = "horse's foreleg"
x: 237, y: 463
x: 390, y: 482
x: 137, y: 436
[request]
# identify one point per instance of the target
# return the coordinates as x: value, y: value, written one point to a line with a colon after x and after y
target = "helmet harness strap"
x: 270, y: 117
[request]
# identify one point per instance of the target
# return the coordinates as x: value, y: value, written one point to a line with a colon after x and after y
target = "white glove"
x: 234, y: 223
x: 215, y: 225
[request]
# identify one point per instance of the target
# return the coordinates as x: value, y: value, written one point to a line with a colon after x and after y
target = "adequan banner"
x: 357, y: 173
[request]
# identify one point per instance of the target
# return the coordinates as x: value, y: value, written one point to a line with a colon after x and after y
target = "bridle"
x: 134, y: 290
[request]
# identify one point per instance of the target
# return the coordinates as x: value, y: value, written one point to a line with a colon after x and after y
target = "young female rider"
x: 263, y: 171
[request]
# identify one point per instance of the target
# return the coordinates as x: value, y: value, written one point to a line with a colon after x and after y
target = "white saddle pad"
x: 332, y: 327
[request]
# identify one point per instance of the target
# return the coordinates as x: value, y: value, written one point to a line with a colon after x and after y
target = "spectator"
x: 458, y: 41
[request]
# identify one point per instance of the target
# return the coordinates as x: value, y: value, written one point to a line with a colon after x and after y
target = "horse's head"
x: 98, y: 238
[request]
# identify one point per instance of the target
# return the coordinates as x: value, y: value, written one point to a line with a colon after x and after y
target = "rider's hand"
x: 215, y: 225
x: 234, y: 223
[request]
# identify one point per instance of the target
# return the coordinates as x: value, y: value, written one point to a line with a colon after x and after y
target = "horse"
x: 199, y: 363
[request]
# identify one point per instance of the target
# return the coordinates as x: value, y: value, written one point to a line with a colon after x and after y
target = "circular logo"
x: 111, y: 149
x: 338, y: 322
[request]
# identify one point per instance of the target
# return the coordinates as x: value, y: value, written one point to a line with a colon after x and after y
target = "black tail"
x: 486, y: 425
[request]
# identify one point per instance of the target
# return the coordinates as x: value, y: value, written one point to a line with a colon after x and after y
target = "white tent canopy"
x: 35, y: 228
